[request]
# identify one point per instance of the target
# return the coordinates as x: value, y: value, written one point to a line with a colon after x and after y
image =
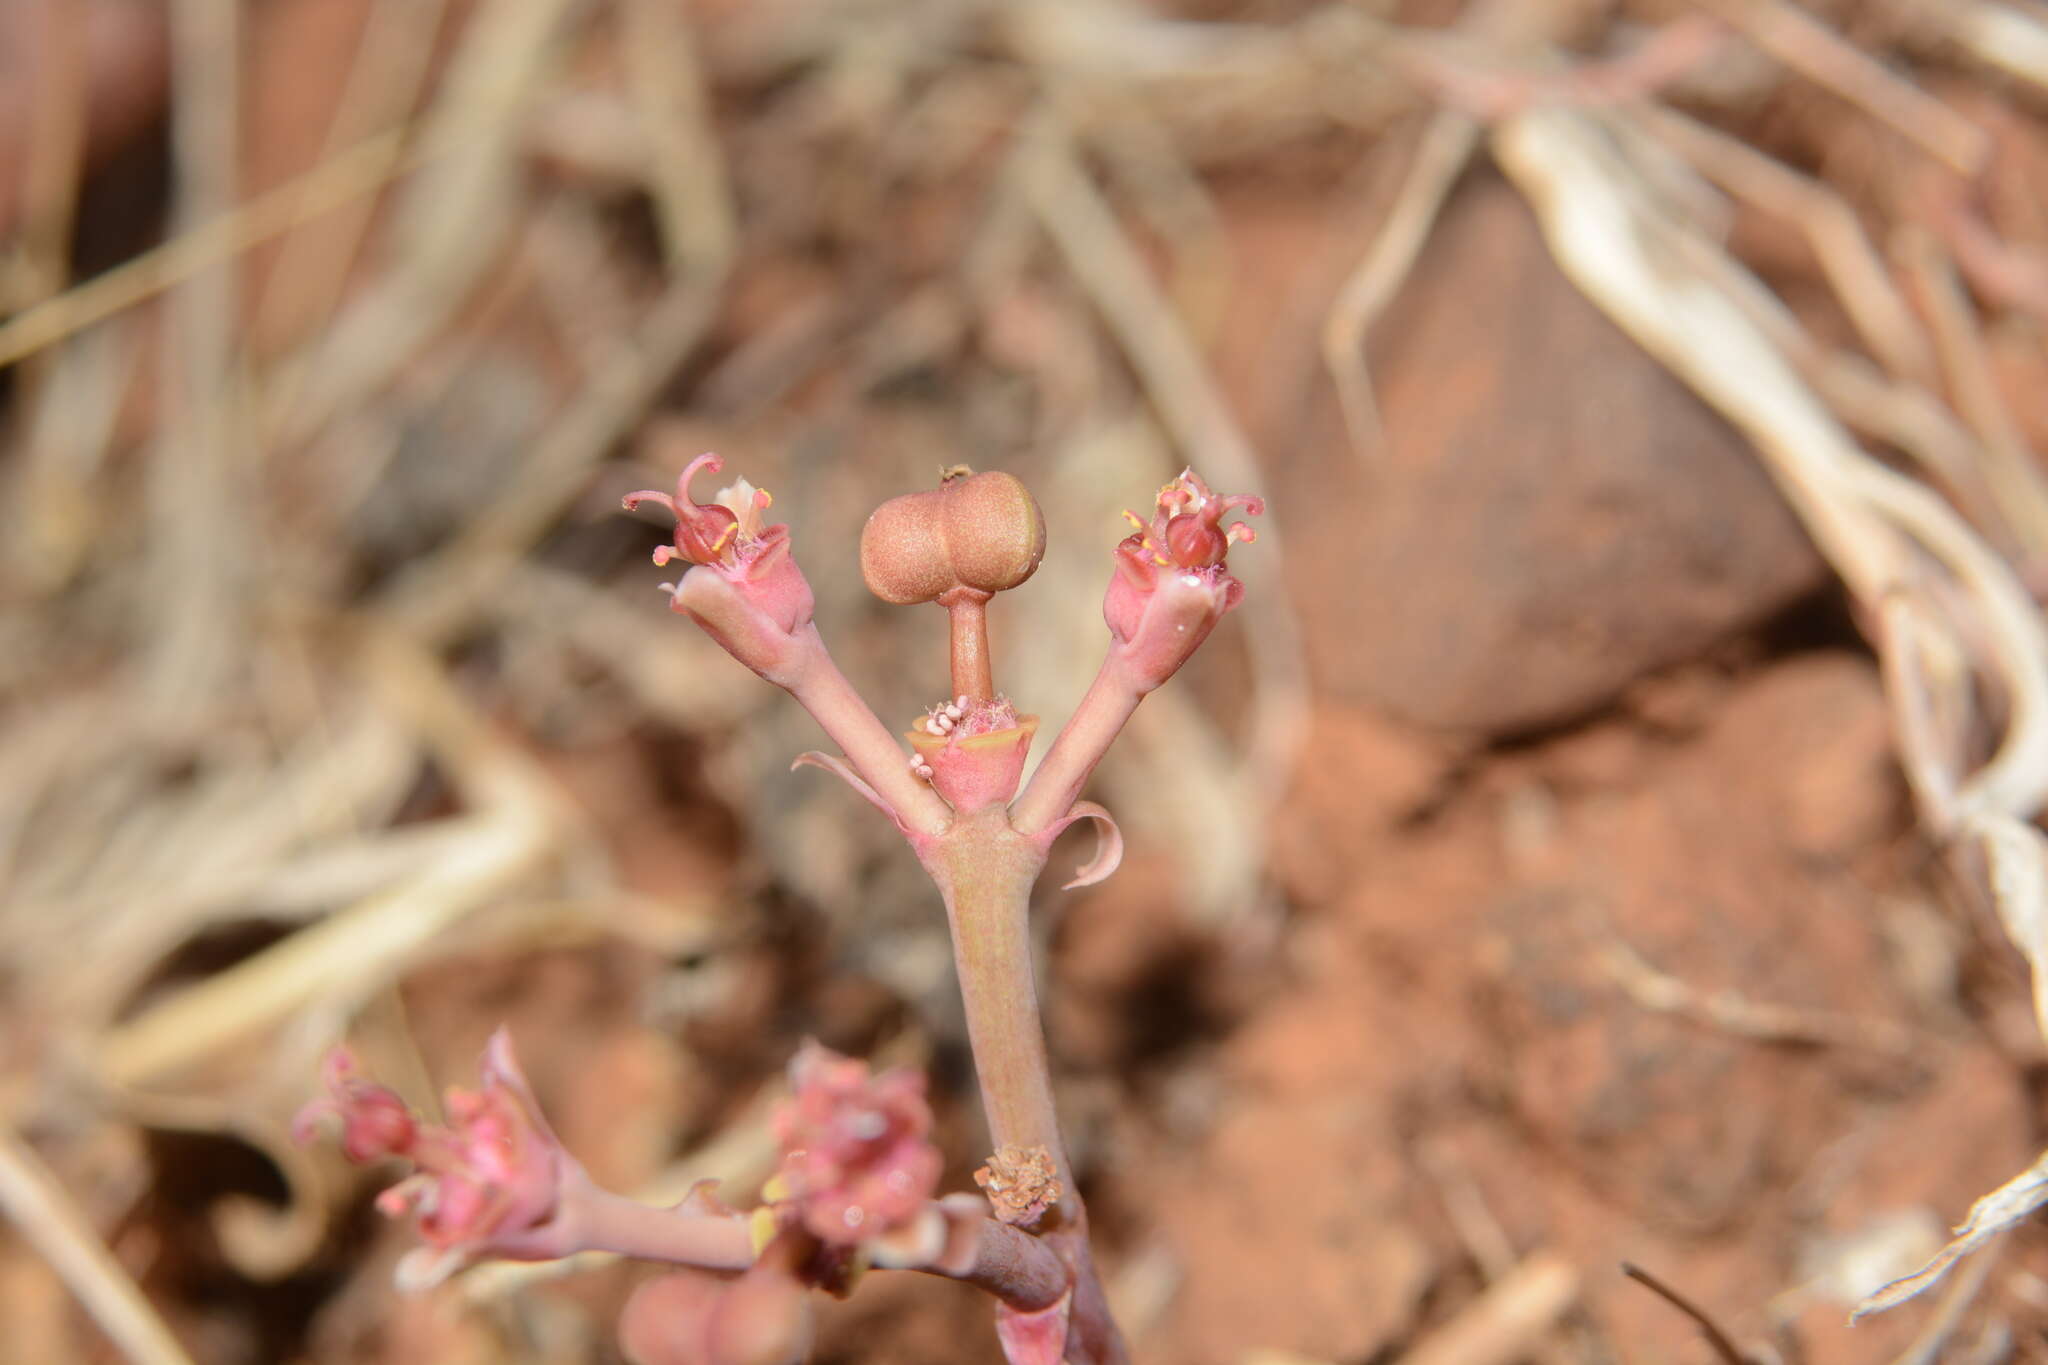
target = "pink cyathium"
x: 859, y: 1169
x: 1173, y: 582
x: 858, y: 1158
x: 745, y: 588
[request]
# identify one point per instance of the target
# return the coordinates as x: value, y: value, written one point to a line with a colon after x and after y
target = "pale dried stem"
x: 362, y: 169
x: 1927, y: 1345
x: 1734, y: 1013
x: 1508, y: 1321
x: 440, y: 594
x: 70, y: 405
x: 305, y: 283
x: 52, y: 1223
x: 1803, y: 43
x: 194, y: 498
x: 2020, y: 493
x: 698, y: 221
x: 1929, y: 763
x: 340, y: 961
x: 2000, y: 36
x: 1440, y: 159
x: 1101, y: 257
x: 1883, y: 320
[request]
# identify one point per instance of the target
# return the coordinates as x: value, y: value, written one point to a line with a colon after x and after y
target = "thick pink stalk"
x: 985, y: 869
x: 599, y: 1220
x: 1086, y: 737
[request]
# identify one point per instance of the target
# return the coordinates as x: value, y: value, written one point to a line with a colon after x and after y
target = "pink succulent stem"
x: 875, y: 754
x: 1104, y: 711
x: 1016, y: 1267
x: 985, y: 869
x: 1013, y: 1266
x: 603, y: 1221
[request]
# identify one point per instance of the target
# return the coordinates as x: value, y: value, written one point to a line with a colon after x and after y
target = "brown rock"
x: 1821, y: 723
x: 1558, y: 515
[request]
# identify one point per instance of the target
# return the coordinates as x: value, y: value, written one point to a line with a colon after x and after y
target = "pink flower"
x: 375, y: 1123
x: 746, y: 590
x: 487, y: 1184
x: 857, y: 1156
x: 1172, y: 581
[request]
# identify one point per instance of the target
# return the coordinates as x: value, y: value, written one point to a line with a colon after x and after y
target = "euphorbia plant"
x: 858, y: 1178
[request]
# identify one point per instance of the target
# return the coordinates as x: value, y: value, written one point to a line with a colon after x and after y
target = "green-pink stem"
x: 985, y: 870
x: 1012, y: 1265
x: 600, y: 1220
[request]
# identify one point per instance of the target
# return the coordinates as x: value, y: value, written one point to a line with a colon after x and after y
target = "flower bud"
x: 978, y: 531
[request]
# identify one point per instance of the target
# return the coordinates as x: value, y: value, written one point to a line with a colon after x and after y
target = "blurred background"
x: 1568, y: 854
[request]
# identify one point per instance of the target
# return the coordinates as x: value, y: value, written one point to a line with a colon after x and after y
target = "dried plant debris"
x: 363, y: 728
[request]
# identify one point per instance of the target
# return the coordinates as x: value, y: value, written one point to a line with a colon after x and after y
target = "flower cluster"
x: 487, y: 1183
x: 858, y: 1158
